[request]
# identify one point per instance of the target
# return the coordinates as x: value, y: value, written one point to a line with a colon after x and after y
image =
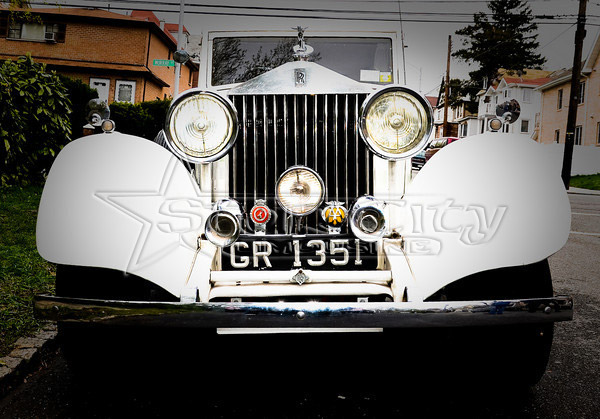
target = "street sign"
x: 164, y: 63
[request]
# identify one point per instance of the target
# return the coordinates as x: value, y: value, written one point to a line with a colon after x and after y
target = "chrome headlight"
x: 395, y: 122
x: 299, y: 190
x: 201, y: 126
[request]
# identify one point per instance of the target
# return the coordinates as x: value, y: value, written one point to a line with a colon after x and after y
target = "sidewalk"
x: 580, y: 191
x: 29, y: 354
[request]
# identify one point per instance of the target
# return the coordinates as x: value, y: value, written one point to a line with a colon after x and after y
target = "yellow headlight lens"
x: 396, y: 124
x: 201, y: 126
x: 299, y: 190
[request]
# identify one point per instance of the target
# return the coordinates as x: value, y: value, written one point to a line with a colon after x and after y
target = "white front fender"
x: 122, y: 202
x: 481, y: 203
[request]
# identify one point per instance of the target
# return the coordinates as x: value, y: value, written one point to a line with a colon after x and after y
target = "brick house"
x: 111, y: 52
x: 555, y: 103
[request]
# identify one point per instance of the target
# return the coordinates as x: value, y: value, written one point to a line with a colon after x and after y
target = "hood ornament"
x: 302, y: 51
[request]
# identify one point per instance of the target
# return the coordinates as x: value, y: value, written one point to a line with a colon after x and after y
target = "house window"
x: 49, y: 32
x: 557, y: 136
x: 524, y: 126
x: 125, y: 91
x: 581, y: 93
x: 102, y: 86
x: 578, y: 131
x: 505, y: 128
x: 527, y: 95
x: 507, y: 93
x: 560, y: 99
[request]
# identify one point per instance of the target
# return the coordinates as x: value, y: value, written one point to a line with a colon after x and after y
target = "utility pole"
x: 574, y: 95
x: 179, y: 43
x: 402, y: 45
x: 447, y: 88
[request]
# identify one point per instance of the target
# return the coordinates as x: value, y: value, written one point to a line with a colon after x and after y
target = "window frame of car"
x: 206, y: 80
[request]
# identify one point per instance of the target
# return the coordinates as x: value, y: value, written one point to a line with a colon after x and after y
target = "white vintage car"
x: 280, y: 196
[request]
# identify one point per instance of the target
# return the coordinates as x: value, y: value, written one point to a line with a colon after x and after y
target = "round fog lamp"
x: 495, y: 124
x: 299, y: 190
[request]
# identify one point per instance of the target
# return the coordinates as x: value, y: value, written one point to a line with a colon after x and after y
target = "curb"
x: 581, y: 191
x: 28, y: 355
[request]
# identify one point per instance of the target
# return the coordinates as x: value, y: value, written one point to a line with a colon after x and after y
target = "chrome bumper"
x: 306, y: 315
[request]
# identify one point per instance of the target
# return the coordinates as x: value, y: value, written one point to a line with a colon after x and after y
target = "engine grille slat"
x: 278, y: 131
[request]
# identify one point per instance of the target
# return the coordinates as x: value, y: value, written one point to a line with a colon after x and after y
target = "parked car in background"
x: 418, y: 160
x: 437, y: 144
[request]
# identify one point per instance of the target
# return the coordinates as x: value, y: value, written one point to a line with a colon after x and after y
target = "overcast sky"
x: 426, y: 40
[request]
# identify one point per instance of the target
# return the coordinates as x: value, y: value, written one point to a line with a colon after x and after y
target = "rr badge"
x: 300, y: 77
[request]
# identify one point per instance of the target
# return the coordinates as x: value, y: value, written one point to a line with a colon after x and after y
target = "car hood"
x: 301, y: 77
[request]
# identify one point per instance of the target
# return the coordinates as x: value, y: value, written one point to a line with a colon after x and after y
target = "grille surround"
x: 279, y: 131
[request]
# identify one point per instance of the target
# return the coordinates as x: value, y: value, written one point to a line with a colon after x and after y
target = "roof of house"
x: 83, y: 64
x: 432, y: 100
x: 168, y: 28
x: 526, y: 82
x: 80, y: 13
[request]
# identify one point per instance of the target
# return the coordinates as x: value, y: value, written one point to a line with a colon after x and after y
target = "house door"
x: 102, y: 86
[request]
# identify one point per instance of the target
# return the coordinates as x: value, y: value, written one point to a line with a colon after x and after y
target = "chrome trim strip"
x: 394, y: 315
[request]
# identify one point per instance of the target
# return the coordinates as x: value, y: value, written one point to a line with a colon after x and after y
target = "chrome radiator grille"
x: 279, y: 131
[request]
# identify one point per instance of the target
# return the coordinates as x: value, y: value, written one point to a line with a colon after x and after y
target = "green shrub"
x: 143, y: 119
x: 34, y: 122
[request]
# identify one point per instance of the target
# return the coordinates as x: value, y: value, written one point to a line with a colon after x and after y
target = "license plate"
x: 316, y: 252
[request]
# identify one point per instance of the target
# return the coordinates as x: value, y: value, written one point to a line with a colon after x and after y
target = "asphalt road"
x: 569, y: 389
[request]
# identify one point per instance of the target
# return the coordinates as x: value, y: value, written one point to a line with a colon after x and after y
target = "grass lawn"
x: 586, y: 182
x: 23, y: 273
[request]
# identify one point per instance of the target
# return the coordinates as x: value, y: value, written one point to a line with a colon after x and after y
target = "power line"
x: 313, y: 10
x: 319, y: 17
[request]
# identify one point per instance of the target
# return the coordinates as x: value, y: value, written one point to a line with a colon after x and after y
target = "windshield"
x: 236, y: 60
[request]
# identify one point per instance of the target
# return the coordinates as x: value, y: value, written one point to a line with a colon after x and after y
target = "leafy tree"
x: 34, y: 122
x: 506, y: 39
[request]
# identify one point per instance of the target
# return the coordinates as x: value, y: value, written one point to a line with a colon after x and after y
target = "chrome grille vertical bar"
x: 346, y: 150
x: 295, y: 129
x: 325, y: 103
x: 356, y: 140
x: 285, y: 132
x: 255, y: 148
x: 234, y: 192
x: 285, y: 151
x: 244, y: 117
x: 306, y: 130
x: 336, y: 147
x: 275, y: 150
x: 265, y: 140
x: 316, y: 148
